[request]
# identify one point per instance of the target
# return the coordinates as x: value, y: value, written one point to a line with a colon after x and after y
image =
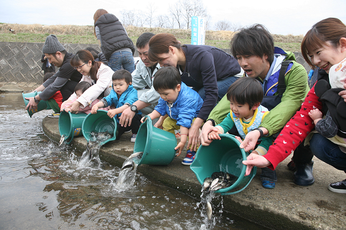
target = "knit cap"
x: 52, y: 45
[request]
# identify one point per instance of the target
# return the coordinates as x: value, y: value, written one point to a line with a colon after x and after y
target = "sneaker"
x: 338, y: 187
x: 190, y: 156
x: 54, y: 115
x: 268, y: 184
x: 133, y: 138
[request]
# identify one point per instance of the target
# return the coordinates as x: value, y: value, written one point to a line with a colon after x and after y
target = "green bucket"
x: 41, y: 105
x: 156, y: 144
x: 70, y: 125
x: 99, y: 123
x: 223, y: 155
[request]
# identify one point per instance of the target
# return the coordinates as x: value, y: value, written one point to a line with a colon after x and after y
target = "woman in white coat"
x: 96, y: 73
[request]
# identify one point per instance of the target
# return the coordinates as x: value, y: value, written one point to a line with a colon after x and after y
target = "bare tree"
x: 176, y: 12
x: 207, y: 20
x: 223, y: 25
x: 163, y: 21
x: 128, y: 18
x: 191, y: 8
x: 150, y: 11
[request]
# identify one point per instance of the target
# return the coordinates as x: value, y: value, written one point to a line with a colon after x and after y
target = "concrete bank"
x: 288, y: 206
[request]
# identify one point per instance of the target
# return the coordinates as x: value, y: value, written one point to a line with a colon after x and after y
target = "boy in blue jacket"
x: 121, y: 97
x: 177, y: 107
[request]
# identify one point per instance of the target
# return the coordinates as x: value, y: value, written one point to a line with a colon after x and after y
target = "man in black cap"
x: 64, y: 80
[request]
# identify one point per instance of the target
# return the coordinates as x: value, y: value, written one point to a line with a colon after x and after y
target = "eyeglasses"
x: 79, y: 67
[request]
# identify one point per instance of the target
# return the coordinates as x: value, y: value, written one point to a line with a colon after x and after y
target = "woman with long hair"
x: 96, y: 73
x: 115, y: 44
x: 208, y: 70
x: 323, y: 46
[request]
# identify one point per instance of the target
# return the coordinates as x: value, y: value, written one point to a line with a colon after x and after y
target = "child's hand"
x: 111, y: 113
x: 315, y: 114
x: 214, y: 135
x: 143, y: 119
x: 158, y: 124
x: 179, y: 148
x: 94, y: 109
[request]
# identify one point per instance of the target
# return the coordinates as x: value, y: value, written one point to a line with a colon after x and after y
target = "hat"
x: 52, y: 45
x: 337, y: 74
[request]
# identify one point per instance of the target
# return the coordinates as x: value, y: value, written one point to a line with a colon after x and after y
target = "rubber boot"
x: 303, y: 176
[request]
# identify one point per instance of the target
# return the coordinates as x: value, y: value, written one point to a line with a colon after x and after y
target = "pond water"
x: 42, y: 186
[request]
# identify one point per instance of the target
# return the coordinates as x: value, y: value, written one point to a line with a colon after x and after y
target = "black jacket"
x: 113, y: 35
x: 205, y: 65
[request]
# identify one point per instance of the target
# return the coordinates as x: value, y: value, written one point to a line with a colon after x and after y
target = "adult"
x: 324, y: 45
x: 65, y: 79
x: 115, y: 43
x: 98, y: 56
x: 254, y: 49
x: 142, y: 81
x: 208, y: 70
x: 96, y: 73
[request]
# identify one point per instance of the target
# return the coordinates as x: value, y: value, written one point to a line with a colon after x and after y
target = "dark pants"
x: 302, y: 154
x: 136, y: 122
x: 68, y: 89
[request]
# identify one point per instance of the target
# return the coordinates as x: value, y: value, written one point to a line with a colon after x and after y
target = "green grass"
x: 90, y: 39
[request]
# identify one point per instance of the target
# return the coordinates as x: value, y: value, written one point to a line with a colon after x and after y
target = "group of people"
x: 259, y: 93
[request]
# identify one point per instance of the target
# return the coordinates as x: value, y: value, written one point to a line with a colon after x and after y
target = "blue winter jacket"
x: 129, y: 96
x: 185, y: 108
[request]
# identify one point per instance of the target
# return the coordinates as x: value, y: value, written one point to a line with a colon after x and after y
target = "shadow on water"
x: 43, y: 186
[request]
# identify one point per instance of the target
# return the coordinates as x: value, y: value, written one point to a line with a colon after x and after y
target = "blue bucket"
x: 223, y: 155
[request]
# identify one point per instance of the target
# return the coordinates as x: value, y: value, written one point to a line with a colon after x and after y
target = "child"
x: 121, y: 97
x: 80, y: 88
x: 334, y: 123
x: 56, y: 100
x: 177, y: 107
x: 245, y: 95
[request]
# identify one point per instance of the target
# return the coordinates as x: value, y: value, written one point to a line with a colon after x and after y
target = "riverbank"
x: 288, y: 206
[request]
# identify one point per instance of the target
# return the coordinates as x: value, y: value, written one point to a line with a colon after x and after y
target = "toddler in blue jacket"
x: 121, y: 97
x: 177, y: 107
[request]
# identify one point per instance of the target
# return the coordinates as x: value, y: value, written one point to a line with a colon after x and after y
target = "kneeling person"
x: 177, y: 107
x: 121, y: 97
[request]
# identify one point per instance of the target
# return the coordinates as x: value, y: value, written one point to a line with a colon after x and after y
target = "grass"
x: 84, y: 35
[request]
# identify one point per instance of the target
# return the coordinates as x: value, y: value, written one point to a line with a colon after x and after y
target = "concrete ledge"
x: 288, y: 206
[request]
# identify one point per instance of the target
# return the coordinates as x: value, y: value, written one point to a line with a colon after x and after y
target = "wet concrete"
x: 288, y: 206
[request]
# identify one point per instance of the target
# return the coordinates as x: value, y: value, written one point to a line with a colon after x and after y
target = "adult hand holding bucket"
x: 31, y: 106
x: 223, y: 155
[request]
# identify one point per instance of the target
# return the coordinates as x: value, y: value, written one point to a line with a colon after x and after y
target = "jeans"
x: 327, y: 151
x: 222, y: 86
x: 121, y: 59
x: 268, y: 174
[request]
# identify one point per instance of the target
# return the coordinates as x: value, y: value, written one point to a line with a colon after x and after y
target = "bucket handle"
x: 253, y: 172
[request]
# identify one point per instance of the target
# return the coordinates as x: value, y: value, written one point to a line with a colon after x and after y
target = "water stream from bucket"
x: 127, y: 174
x: 91, y: 154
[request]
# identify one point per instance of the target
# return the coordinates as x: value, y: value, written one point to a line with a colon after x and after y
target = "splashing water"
x: 91, y: 154
x: 127, y: 175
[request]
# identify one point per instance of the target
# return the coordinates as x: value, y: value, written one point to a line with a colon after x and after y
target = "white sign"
x: 197, y: 31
